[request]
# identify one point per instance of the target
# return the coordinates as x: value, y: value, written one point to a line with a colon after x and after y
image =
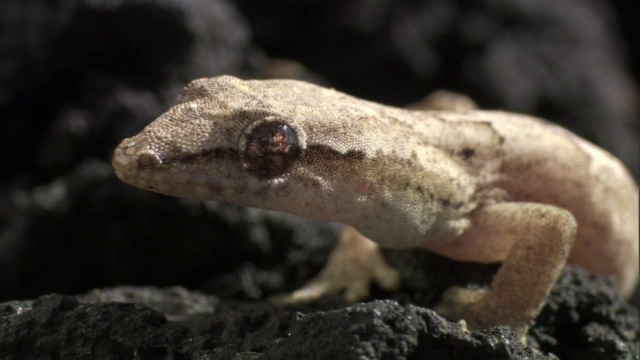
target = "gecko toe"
x: 472, y: 307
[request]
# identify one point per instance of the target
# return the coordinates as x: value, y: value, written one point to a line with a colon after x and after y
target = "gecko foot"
x: 472, y: 306
x: 351, y: 268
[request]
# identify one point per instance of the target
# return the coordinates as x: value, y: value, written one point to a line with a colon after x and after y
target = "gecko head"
x: 222, y: 141
x: 278, y: 145
x: 181, y: 160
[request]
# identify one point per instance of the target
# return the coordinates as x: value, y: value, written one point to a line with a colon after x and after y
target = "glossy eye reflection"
x: 270, y: 150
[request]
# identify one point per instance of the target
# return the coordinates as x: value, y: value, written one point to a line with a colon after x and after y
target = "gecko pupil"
x: 270, y: 149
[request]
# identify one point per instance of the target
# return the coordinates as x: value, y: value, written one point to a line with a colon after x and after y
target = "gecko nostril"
x: 149, y: 159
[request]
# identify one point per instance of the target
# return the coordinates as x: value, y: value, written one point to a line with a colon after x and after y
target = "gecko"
x: 471, y: 185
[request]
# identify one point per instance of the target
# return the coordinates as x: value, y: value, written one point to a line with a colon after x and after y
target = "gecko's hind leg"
x: 353, y: 264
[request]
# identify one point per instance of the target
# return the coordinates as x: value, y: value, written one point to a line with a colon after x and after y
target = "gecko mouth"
x: 186, y: 175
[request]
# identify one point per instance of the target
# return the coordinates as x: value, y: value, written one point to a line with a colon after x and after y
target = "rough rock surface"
x: 78, y: 76
x: 173, y: 323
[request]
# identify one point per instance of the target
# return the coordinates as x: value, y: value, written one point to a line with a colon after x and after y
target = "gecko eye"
x: 270, y: 149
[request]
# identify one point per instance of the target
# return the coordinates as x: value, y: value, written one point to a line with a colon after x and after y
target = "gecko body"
x: 483, y: 186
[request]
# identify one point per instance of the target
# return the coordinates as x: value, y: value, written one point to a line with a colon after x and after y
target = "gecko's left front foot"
x: 534, y: 241
x: 354, y: 263
x: 471, y: 305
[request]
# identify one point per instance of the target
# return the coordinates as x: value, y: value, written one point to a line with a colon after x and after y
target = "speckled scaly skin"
x: 482, y: 186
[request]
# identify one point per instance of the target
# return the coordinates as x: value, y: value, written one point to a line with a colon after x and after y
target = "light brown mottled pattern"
x: 473, y: 185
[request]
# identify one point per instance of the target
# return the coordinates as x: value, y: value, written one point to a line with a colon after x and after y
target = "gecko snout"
x: 131, y: 157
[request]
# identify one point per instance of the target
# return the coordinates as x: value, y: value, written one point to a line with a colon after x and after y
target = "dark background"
x: 76, y: 77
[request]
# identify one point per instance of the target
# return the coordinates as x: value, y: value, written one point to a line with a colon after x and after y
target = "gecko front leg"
x: 353, y: 264
x: 535, y: 241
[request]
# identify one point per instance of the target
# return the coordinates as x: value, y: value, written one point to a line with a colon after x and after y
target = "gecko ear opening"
x: 268, y: 148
